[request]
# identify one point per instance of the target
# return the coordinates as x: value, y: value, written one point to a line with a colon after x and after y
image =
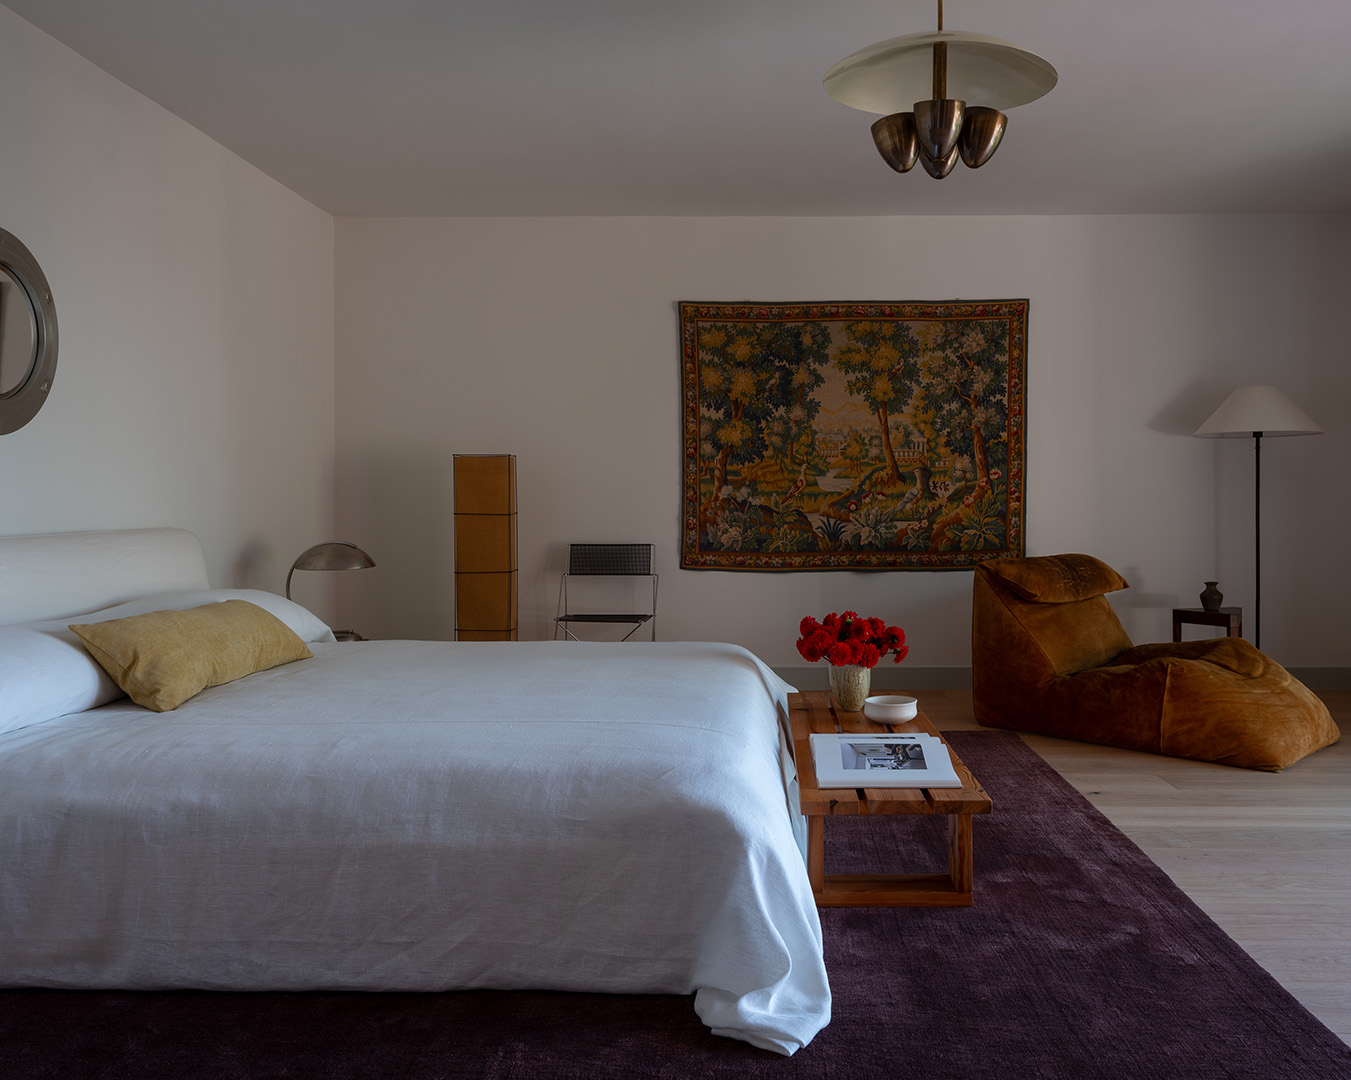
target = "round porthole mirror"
x: 27, y: 335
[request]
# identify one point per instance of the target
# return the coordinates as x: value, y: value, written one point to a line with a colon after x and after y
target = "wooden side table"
x: 814, y: 712
x: 1231, y: 618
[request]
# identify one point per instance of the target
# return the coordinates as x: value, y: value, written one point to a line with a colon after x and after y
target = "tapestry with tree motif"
x: 852, y: 436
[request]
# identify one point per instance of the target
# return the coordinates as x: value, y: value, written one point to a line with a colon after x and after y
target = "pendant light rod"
x: 940, y: 61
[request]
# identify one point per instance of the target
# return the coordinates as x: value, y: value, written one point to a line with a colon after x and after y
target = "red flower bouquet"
x: 848, y: 639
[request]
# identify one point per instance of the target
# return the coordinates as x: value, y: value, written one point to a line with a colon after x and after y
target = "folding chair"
x: 606, y: 560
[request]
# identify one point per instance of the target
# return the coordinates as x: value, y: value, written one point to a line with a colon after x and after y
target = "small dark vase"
x: 1211, y: 597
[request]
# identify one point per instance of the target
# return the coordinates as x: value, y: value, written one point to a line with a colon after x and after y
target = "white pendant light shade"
x: 1257, y: 409
x: 890, y: 76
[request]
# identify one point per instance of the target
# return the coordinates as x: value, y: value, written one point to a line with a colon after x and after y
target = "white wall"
x: 194, y: 385
x: 557, y: 340
x: 196, y: 382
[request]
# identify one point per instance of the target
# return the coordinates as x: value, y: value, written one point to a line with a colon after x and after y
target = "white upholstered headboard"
x: 63, y: 574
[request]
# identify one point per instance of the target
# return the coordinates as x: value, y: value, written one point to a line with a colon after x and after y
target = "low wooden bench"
x: 814, y: 711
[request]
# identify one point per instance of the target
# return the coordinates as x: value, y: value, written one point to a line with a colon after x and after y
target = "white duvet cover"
x: 426, y: 816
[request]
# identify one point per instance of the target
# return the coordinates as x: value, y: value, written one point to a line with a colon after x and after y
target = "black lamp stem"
x: 1257, y: 552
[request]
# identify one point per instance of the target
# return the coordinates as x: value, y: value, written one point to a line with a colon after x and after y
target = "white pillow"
x: 46, y: 671
x: 303, y: 623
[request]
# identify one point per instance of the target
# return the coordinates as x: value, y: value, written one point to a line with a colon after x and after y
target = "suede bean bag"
x: 1049, y: 655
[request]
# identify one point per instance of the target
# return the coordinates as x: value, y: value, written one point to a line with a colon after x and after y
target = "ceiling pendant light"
x: 984, y: 74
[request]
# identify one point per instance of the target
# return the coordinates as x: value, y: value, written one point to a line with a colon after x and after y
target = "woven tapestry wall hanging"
x: 863, y: 436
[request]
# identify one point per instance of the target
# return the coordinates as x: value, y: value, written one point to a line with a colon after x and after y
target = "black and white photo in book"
x: 855, y: 761
x: 887, y: 755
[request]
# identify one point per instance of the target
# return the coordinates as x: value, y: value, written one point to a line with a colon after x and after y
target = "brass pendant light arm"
x: 938, y: 121
x: 940, y: 61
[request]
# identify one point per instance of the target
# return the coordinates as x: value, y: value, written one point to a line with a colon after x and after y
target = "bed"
x: 394, y: 815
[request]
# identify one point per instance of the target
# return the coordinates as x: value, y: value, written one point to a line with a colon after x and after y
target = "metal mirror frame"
x: 22, y: 403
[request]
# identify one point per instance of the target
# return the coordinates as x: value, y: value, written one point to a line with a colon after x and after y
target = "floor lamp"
x: 1251, y: 412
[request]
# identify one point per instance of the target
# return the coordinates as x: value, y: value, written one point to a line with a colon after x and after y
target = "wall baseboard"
x: 888, y: 677
x: 1323, y: 678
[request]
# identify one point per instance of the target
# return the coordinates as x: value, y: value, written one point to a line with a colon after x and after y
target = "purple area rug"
x: 1080, y: 959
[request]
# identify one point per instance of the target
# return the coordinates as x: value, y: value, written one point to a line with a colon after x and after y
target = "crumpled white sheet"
x: 427, y: 816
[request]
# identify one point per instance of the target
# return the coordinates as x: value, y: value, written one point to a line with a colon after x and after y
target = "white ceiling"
x: 715, y: 107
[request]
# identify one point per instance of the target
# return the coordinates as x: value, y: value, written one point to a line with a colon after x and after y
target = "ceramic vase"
x: 849, y: 683
x: 1211, y: 597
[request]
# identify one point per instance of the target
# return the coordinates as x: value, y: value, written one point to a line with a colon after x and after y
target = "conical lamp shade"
x: 1261, y: 409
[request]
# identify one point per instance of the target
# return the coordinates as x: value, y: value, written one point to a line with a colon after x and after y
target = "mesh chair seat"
x: 601, y: 617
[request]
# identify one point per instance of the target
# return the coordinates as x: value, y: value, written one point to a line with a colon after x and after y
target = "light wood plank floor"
x: 1266, y: 855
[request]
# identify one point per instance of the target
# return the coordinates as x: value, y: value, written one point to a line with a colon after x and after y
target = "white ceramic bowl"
x: 890, y: 708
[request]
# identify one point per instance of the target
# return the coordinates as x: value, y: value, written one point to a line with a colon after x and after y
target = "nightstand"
x: 1231, y: 618
x: 814, y: 710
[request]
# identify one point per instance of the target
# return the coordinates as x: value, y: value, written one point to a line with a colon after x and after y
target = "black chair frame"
x: 606, y: 560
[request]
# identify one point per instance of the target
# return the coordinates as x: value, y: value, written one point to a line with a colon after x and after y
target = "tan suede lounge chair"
x: 1049, y: 655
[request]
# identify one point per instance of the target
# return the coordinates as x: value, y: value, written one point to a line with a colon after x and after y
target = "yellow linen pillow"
x: 162, y: 658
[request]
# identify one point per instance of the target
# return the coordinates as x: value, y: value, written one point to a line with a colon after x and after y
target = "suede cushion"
x: 1056, y: 579
x: 1073, y: 636
x: 162, y: 658
x: 1016, y: 640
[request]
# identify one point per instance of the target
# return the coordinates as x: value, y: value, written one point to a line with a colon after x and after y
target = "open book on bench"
x: 875, y: 761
